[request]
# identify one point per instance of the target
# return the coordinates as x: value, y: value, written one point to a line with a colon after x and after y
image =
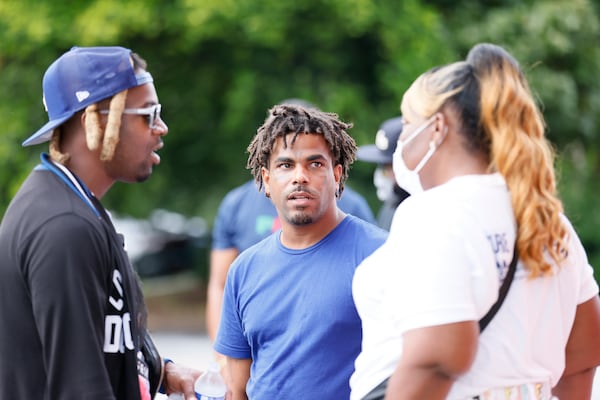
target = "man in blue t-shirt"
x: 245, y: 217
x: 289, y: 328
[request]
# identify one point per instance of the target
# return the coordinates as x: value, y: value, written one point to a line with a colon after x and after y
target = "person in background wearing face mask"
x: 381, y: 153
x: 480, y: 171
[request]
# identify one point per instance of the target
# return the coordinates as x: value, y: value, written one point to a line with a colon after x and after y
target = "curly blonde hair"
x: 499, y: 117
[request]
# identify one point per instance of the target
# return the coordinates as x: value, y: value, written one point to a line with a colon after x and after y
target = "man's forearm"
x: 239, y: 374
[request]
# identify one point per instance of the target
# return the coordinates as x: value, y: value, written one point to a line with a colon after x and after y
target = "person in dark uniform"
x: 381, y: 153
x: 73, y: 315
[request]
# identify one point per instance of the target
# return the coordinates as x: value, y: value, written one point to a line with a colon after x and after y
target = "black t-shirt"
x: 70, y: 305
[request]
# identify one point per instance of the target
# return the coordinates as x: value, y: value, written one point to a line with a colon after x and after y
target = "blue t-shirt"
x: 292, y: 313
x: 246, y: 216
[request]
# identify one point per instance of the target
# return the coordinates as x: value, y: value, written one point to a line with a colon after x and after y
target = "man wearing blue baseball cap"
x: 381, y: 153
x: 73, y: 314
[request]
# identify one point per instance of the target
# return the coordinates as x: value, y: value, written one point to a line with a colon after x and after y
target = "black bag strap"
x: 154, y: 362
x: 378, y: 393
x: 483, y: 322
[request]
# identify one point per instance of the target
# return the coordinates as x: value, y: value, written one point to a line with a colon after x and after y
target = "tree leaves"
x: 220, y: 64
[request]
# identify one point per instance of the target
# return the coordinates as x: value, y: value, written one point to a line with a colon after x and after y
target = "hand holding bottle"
x: 210, y: 385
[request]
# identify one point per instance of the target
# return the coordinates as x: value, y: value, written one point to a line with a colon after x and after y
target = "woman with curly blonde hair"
x: 474, y: 157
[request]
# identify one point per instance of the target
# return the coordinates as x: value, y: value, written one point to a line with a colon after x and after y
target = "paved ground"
x: 176, y: 320
x: 195, y: 350
x: 191, y: 349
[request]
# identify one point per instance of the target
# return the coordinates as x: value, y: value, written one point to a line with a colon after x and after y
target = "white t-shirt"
x: 443, y: 262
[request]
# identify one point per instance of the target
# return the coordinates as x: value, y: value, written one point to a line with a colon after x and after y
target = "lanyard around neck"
x: 67, y: 177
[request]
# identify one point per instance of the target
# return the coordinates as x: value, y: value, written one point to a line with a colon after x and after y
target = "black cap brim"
x: 370, y: 153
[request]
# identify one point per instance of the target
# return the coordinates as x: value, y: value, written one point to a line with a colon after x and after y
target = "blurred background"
x: 219, y: 65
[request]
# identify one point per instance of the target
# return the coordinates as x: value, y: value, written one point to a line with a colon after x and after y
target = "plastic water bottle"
x: 176, y: 396
x: 210, y: 385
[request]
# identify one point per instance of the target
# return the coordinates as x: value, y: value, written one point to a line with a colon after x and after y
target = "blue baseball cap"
x: 84, y: 76
x: 386, y: 141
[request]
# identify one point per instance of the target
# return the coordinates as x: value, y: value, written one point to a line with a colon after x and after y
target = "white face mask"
x: 405, y: 178
x: 384, y: 185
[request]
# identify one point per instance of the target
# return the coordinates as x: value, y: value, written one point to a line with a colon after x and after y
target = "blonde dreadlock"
x: 111, y: 135
x: 55, y: 153
x: 93, y: 132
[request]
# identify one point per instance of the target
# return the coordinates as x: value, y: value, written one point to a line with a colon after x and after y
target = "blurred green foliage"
x: 220, y: 64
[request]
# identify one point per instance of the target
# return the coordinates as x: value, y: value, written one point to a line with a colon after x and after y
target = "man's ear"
x: 337, y: 175
x: 265, y: 178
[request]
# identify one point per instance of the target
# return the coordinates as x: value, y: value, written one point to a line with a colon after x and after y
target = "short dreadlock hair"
x: 297, y: 119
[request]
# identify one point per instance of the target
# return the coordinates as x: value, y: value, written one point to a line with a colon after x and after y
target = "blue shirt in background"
x: 246, y: 216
